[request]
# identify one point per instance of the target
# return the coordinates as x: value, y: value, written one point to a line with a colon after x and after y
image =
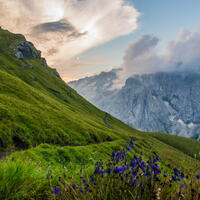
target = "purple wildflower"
x: 57, y: 191
x: 118, y: 154
x: 179, y: 179
x: 198, y: 176
x: 81, y: 190
x: 84, y: 181
x: 74, y: 186
x: 92, y: 179
x: 182, y: 175
x: 128, y: 148
x: 132, y: 143
x: 173, y: 179
x: 176, y: 172
x: 113, y: 154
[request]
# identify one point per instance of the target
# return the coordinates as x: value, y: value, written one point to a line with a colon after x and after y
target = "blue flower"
x: 128, y: 148
x: 81, y: 190
x: 179, y: 179
x: 121, y: 168
x: 135, y: 157
x: 92, y: 179
x: 132, y: 143
x: 157, y: 171
x: 118, y: 154
x: 132, y: 164
x: 57, y: 191
x: 182, y: 175
x: 108, y: 171
x: 74, y: 186
x: 176, y: 172
x: 157, y: 159
x: 198, y: 176
x: 96, y: 171
x: 125, y: 153
x: 84, y: 181
x: 113, y: 154
x: 165, y: 175
x: 133, y: 182
x: 116, y: 170
x: 173, y: 179
x: 143, y: 163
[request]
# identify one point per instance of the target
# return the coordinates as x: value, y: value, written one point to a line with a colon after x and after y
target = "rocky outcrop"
x: 54, y: 72
x: 19, y: 55
x: 27, y: 50
x: 161, y: 102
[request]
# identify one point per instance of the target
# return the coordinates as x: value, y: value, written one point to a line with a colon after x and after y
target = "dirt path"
x: 105, y: 120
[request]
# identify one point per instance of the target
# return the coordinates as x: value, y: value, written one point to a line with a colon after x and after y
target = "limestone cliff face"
x: 161, y: 102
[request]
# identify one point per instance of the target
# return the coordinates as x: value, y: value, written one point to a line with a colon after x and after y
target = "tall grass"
x: 20, y: 180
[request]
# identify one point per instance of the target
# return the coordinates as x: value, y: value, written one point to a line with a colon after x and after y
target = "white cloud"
x: 65, y: 28
x: 142, y: 57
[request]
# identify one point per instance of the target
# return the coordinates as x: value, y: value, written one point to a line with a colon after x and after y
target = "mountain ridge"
x: 162, y: 102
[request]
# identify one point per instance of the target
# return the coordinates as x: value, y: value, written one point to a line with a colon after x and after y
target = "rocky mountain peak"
x: 161, y: 102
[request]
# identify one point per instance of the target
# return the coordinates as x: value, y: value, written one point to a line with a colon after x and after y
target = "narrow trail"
x: 4, y: 155
x: 105, y: 120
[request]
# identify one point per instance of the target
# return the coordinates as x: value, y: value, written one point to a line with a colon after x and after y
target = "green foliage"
x: 20, y: 180
x: 186, y: 145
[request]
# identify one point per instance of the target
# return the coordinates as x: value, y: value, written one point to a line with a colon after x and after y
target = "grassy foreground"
x: 55, y: 136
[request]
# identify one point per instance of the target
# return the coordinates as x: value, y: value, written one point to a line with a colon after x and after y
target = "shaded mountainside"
x: 161, y: 102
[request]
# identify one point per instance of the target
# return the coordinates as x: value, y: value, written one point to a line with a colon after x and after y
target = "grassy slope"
x: 31, y: 111
x: 36, y: 107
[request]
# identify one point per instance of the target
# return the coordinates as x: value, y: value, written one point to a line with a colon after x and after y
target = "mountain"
x: 48, y: 131
x: 165, y: 102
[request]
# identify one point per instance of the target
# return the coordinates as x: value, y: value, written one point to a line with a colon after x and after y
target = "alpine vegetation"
x: 126, y: 175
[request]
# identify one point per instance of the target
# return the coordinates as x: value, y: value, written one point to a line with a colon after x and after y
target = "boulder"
x: 19, y: 55
x: 28, y: 50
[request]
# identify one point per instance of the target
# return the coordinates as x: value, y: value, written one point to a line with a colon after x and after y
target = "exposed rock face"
x: 19, y: 55
x: 162, y: 102
x: 54, y: 72
x: 28, y: 50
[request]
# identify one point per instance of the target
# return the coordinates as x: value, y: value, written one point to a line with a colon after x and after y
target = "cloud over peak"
x: 143, y: 57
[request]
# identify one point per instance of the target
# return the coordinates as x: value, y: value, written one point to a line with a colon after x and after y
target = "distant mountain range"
x: 162, y: 102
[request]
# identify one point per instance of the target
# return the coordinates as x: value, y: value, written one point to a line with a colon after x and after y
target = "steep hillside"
x: 161, y: 102
x: 37, y: 107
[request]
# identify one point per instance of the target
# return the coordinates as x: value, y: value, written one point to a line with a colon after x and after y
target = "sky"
x: 83, y: 37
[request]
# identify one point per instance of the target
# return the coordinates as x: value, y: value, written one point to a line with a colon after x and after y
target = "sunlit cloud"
x: 62, y: 29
